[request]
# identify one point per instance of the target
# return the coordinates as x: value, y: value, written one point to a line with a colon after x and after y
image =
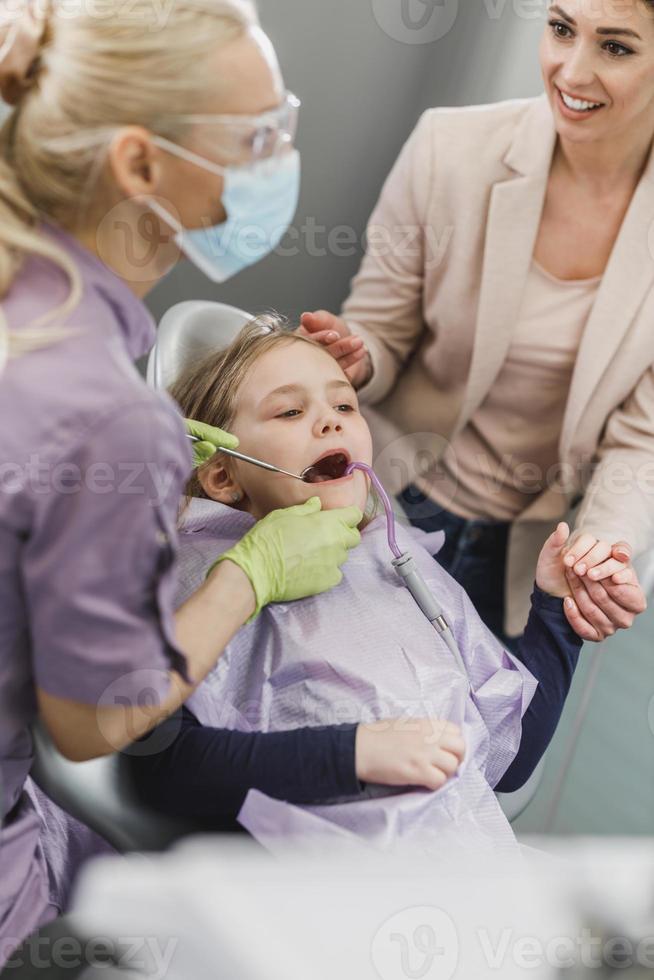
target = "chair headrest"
x: 188, y: 332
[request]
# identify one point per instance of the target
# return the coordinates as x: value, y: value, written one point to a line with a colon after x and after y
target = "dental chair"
x: 100, y: 795
x: 192, y: 329
x: 187, y: 332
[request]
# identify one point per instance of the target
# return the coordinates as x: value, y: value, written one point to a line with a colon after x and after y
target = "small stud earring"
x: 236, y: 496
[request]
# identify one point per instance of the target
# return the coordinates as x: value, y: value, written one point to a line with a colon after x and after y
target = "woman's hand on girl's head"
x: 409, y: 752
x: 344, y: 346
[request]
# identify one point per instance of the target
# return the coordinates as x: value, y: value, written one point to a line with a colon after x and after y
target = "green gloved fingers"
x: 211, y: 438
x: 296, y: 552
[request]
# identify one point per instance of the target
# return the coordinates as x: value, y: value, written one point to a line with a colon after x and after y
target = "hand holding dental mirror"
x: 207, y: 439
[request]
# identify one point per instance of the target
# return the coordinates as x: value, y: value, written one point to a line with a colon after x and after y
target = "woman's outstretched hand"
x: 595, y: 609
x: 409, y: 752
x: 344, y: 346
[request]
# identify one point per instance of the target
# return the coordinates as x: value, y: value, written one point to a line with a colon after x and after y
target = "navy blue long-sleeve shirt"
x: 549, y: 648
x: 205, y: 773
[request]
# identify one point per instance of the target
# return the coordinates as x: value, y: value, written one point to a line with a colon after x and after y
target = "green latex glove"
x: 212, y: 439
x: 296, y: 552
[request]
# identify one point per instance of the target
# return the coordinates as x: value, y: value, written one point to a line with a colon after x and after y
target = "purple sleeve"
x: 98, y: 565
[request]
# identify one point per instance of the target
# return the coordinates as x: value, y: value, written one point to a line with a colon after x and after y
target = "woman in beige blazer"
x: 502, y: 322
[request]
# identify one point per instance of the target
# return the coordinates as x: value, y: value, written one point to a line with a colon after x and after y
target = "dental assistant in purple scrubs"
x: 124, y: 135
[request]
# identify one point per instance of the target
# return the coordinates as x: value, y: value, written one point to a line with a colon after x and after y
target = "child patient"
x: 363, y: 651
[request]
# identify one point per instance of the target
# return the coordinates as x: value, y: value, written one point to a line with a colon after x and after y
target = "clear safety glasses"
x: 243, y: 139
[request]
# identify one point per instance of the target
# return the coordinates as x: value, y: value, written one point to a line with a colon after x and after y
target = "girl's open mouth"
x: 328, y: 468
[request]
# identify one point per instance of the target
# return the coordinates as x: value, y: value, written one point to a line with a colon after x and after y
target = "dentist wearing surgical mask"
x: 129, y: 140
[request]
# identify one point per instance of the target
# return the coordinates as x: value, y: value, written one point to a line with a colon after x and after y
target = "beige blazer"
x: 449, y: 248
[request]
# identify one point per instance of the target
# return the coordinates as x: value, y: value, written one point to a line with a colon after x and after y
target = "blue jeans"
x: 474, y: 554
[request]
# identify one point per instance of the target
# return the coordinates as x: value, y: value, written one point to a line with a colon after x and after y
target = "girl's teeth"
x: 579, y: 104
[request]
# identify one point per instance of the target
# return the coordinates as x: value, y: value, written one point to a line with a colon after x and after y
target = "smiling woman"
x: 512, y: 376
x: 598, y: 60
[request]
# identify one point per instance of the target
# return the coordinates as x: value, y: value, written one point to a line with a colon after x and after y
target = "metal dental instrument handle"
x: 406, y: 567
x: 249, y: 459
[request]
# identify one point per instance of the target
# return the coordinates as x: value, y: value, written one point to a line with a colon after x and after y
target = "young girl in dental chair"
x: 363, y: 651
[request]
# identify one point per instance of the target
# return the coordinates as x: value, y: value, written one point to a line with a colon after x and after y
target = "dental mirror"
x: 330, y: 467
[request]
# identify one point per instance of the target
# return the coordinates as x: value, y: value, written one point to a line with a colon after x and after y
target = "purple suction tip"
x: 388, y: 507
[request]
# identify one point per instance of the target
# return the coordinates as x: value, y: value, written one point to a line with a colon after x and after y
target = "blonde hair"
x: 94, y: 74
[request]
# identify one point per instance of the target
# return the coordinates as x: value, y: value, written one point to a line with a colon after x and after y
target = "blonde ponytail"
x: 18, y: 238
x: 94, y: 74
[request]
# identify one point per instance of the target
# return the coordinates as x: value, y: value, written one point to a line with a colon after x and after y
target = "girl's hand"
x: 594, y: 610
x: 550, y: 570
x: 409, y: 752
x: 344, y: 346
x: 586, y: 555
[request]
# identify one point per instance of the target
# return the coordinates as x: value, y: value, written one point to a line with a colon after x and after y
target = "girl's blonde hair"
x: 137, y: 63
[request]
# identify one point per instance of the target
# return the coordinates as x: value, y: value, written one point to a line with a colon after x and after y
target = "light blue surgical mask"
x: 260, y: 200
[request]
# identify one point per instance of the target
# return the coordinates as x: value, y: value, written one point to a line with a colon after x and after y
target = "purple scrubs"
x: 92, y: 464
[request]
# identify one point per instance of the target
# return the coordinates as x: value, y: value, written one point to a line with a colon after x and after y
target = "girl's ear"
x: 217, y: 482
